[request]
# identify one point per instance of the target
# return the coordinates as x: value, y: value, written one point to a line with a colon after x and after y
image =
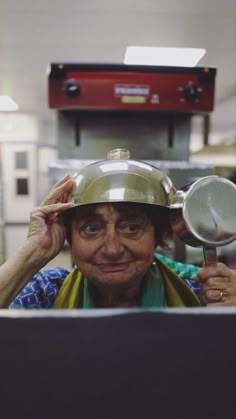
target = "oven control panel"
x: 74, y: 86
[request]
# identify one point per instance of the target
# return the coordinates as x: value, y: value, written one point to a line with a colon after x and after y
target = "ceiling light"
x: 7, y: 104
x: 184, y: 57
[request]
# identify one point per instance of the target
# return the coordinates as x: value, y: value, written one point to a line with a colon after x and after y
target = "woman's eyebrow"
x: 132, y: 214
x: 90, y: 218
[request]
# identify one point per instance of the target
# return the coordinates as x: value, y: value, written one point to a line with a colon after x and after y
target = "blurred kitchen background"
x: 38, y: 143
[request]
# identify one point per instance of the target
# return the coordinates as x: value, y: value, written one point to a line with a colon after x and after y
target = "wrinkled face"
x: 112, y: 245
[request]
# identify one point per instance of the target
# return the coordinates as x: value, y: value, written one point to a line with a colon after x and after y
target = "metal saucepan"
x: 203, y: 214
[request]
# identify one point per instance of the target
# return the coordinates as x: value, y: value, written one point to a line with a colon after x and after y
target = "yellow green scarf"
x: 161, y: 288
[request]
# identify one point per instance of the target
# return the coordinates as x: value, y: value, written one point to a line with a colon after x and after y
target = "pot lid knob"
x: 118, y: 154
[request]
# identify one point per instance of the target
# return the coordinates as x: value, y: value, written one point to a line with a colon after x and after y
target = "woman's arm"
x: 45, y: 240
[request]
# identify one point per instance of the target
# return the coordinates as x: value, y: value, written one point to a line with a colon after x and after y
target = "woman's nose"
x: 112, y: 245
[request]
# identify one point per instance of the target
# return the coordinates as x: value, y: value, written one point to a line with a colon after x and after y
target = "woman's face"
x: 112, y: 244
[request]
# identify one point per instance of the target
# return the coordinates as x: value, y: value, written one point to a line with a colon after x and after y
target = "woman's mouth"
x: 113, y: 267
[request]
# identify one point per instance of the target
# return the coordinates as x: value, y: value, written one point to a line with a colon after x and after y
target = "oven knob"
x: 190, y: 92
x: 72, y: 89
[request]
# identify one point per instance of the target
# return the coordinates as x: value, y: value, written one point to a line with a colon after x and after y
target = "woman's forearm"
x: 16, y: 272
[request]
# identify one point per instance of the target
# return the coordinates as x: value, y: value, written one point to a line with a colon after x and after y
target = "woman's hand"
x: 218, y: 285
x: 46, y: 230
x: 45, y: 239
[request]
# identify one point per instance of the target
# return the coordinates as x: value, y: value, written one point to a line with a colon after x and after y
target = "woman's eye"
x: 130, y: 228
x: 91, y: 228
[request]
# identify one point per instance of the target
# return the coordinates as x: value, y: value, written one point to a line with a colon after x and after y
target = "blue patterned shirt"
x: 41, y: 291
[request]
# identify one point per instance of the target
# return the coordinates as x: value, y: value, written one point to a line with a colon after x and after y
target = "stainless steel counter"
x: 169, y: 363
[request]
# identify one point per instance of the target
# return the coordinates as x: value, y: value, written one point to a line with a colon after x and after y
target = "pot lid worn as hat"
x: 119, y: 179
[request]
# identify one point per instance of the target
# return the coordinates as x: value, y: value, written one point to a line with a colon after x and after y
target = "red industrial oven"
x: 130, y: 87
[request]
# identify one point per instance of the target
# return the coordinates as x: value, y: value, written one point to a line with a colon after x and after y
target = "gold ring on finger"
x: 221, y: 295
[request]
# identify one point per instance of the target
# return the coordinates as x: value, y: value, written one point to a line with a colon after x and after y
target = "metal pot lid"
x: 209, y: 210
x: 119, y: 179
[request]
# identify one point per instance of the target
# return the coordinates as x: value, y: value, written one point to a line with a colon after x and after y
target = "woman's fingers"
x: 214, y: 270
x: 217, y: 285
x: 58, y: 207
x: 211, y: 296
x: 52, y: 209
x: 46, y: 225
x: 61, y: 191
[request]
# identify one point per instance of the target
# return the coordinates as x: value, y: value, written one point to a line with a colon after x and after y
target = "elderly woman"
x: 117, y: 217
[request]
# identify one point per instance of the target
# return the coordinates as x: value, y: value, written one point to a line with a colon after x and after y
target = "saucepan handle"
x: 210, y: 255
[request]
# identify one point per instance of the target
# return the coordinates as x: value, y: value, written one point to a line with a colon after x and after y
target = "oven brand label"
x: 131, y: 90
